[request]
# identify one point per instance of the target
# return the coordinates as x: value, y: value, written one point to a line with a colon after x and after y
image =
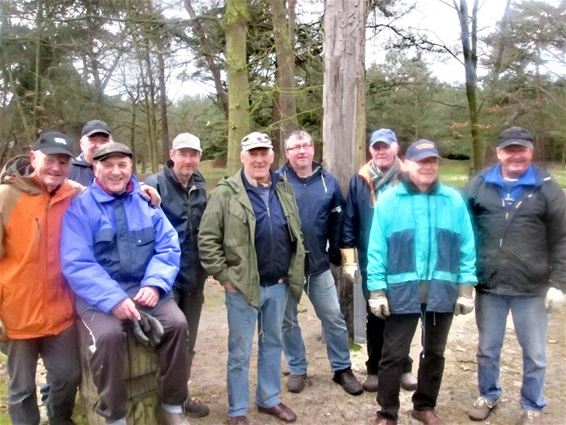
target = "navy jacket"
x: 81, y: 171
x: 320, y: 205
x: 183, y: 207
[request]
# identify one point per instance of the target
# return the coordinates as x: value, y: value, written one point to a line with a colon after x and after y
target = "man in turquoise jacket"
x: 421, y: 264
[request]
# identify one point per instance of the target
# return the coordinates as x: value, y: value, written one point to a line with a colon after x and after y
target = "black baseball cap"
x: 95, y: 126
x: 53, y: 143
x: 112, y: 148
x: 515, y: 136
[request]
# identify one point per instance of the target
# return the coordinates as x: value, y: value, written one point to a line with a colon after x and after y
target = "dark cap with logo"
x: 112, y: 148
x: 95, y: 126
x: 52, y: 143
x: 422, y: 149
x: 518, y: 136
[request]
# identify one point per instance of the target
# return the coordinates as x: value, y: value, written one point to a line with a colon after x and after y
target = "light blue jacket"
x: 421, y: 238
x: 112, y: 246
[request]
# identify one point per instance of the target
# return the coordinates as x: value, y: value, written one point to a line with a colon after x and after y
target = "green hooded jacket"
x: 227, y: 235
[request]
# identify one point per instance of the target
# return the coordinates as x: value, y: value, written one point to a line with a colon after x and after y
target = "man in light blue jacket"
x: 421, y: 264
x: 120, y: 257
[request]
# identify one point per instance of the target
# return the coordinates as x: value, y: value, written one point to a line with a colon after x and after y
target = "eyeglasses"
x: 297, y: 148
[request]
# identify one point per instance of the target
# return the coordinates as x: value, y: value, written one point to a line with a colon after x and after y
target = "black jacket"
x: 81, y: 171
x: 522, y: 250
x: 184, y: 208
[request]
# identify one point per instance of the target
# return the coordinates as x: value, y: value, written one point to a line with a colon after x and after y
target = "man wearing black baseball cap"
x: 37, y: 305
x: 94, y: 134
x: 519, y: 212
x: 421, y: 265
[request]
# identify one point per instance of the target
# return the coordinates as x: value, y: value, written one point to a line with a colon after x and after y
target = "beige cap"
x: 256, y: 140
x: 187, y: 141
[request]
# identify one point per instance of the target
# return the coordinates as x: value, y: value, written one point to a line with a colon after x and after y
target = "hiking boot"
x: 427, y: 417
x: 296, y: 383
x: 195, y: 409
x: 481, y: 409
x: 408, y: 381
x: 380, y: 420
x: 530, y: 417
x: 239, y: 420
x: 348, y: 381
x: 370, y: 384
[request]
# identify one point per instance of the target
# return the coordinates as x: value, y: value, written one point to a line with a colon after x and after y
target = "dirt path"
x: 325, y: 403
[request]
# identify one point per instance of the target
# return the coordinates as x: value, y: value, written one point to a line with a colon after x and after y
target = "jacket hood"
x: 17, y: 172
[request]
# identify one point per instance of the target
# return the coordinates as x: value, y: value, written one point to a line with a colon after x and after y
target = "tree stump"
x: 141, y: 381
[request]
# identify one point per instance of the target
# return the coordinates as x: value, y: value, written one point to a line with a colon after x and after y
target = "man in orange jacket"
x: 36, y: 305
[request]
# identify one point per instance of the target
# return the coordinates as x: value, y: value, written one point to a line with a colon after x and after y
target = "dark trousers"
x: 374, y: 338
x: 398, y: 334
x: 190, y: 304
x: 60, y: 356
x: 108, y: 342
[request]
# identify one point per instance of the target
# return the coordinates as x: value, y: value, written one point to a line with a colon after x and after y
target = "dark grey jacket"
x: 522, y: 250
x: 184, y: 208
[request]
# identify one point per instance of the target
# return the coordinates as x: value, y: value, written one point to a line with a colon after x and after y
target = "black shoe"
x: 194, y: 409
x: 348, y: 381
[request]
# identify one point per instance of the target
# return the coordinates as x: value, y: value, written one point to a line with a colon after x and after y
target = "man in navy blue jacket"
x: 320, y: 208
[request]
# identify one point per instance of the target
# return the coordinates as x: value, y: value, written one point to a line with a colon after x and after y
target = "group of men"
x: 268, y: 236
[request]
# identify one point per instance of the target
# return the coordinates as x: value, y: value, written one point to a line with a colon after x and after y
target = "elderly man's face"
x: 114, y: 172
x: 383, y: 155
x: 514, y: 160
x: 257, y: 162
x: 90, y: 144
x: 423, y: 173
x: 299, y: 153
x: 50, y: 170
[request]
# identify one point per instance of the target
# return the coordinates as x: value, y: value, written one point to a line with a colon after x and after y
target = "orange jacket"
x: 35, y: 300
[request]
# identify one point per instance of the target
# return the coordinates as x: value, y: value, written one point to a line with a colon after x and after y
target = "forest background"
x: 155, y: 68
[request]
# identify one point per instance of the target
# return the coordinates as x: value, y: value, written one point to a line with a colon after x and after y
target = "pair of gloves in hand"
x: 379, y: 305
x: 147, y: 331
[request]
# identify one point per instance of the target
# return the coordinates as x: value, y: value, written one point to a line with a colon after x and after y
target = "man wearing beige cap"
x: 250, y: 240
x: 183, y: 199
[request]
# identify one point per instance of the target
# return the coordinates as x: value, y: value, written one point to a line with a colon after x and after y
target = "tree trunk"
x: 469, y: 47
x: 283, y: 34
x: 208, y: 56
x: 163, y: 104
x: 343, y: 131
x: 236, y: 20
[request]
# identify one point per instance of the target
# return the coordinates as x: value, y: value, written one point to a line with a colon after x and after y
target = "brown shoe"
x: 427, y: 417
x: 380, y: 420
x: 195, y: 409
x: 239, y: 420
x: 280, y: 411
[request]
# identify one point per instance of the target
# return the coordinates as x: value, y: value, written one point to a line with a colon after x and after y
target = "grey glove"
x: 148, y: 331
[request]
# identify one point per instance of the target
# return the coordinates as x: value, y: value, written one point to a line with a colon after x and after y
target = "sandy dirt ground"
x: 324, y: 403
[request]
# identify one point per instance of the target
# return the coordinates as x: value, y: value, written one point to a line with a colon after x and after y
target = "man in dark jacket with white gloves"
x: 519, y: 214
x: 320, y: 207
x: 183, y: 199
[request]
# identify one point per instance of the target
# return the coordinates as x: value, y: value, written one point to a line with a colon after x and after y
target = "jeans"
x: 321, y: 290
x: 397, y: 336
x: 531, y: 322
x: 60, y: 356
x: 242, y: 318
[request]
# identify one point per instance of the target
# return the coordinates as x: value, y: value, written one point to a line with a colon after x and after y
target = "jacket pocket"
x: 448, y: 255
x: 104, y: 244
x: 236, y: 226
x: 401, y: 252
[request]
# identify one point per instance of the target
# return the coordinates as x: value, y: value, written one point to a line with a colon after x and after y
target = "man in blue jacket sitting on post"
x: 120, y: 257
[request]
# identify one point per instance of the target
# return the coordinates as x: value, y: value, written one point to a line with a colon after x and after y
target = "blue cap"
x: 383, y: 135
x: 422, y: 149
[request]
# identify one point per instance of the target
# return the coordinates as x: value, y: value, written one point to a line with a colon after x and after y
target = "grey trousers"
x: 108, y: 347
x: 190, y: 304
x: 60, y: 356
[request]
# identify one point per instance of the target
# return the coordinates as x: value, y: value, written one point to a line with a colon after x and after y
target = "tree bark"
x: 343, y: 131
x: 236, y: 20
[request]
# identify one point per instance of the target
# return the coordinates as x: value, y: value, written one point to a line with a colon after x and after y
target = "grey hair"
x: 299, y: 135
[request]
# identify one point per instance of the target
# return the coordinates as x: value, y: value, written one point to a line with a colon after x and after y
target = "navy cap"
x: 515, y: 136
x: 95, y: 126
x: 383, y: 135
x: 52, y: 143
x: 422, y: 149
x: 111, y: 148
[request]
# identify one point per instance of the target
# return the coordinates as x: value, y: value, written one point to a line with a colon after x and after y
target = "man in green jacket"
x: 250, y: 240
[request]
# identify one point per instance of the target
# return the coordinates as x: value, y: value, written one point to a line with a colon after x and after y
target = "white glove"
x: 554, y: 300
x: 349, y: 271
x: 379, y: 305
x: 465, y: 301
